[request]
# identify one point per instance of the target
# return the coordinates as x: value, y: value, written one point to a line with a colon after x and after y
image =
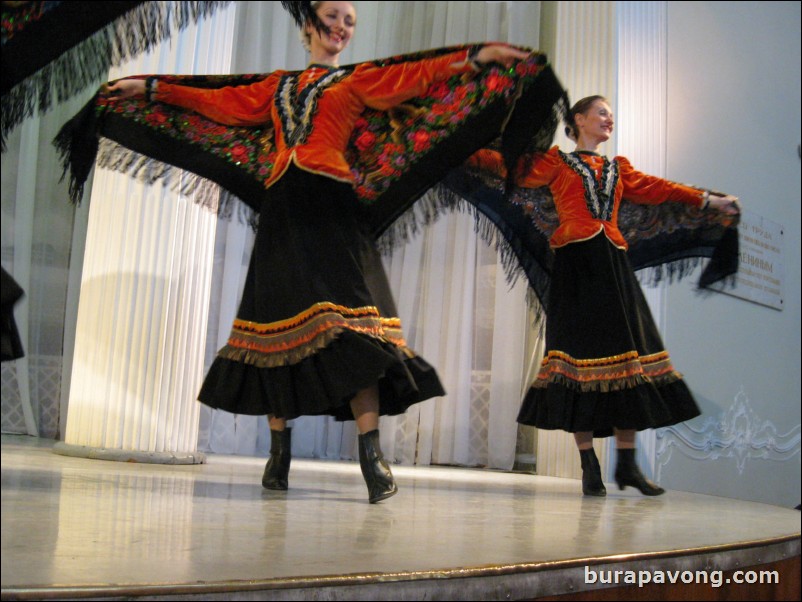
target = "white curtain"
x: 42, y: 248
x: 457, y: 310
x: 43, y: 235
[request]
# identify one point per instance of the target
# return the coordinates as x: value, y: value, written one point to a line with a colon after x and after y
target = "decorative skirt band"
x: 606, y: 374
x: 289, y: 341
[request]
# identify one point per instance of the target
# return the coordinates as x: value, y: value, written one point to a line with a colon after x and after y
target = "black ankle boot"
x: 591, y: 474
x: 375, y: 469
x: 628, y: 473
x: 277, y: 470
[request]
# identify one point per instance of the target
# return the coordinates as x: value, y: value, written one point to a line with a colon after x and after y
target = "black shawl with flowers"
x: 53, y: 50
x: 395, y: 155
x: 666, y: 241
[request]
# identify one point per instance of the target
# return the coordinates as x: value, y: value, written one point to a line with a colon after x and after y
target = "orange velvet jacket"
x: 587, y: 190
x: 312, y: 128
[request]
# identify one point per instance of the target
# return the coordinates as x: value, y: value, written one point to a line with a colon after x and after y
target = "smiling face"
x: 340, y: 18
x: 595, y: 125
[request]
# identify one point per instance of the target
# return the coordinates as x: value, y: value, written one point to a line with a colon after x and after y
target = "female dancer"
x: 317, y: 331
x: 605, y: 369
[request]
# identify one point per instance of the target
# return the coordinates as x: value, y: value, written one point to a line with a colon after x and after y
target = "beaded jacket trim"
x: 296, y: 110
x: 599, y: 194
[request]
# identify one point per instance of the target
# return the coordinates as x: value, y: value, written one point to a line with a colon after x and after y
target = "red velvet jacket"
x: 313, y: 128
x: 587, y: 190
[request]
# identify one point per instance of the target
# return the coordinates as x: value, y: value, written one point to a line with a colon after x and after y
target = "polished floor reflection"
x: 90, y: 523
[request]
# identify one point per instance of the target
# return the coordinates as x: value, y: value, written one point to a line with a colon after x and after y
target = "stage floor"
x: 75, y: 527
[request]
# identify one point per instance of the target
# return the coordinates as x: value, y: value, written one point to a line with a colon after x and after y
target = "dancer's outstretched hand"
x: 126, y: 88
x: 725, y: 203
x: 499, y: 53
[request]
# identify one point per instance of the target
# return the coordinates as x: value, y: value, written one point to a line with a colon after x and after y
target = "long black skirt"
x: 605, y: 365
x: 317, y: 322
x: 10, y: 342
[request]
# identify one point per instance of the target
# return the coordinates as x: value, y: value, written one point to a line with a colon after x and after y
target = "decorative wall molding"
x: 44, y: 374
x: 737, y: 432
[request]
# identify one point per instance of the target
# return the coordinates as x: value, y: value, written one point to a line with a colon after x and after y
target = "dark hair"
x: 306, y: 39
x: 581, y: 107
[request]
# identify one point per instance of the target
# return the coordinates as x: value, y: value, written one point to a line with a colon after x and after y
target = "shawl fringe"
x: 512, y: 256
x: 441, y: 200
x: 387, y: 182
x: 79, y: 148
x: 517, y: 262
x: 678, y: 270
x: 210, y: 195
x: 667, y: 242
x: 37, y: 75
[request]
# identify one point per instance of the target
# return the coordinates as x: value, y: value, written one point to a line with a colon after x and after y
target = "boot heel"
x: 592, y: 483
x: 627, y: 474
x: 375, y: 470
x: 277, y: 469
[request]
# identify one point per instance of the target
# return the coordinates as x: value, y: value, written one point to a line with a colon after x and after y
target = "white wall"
x: 734, y: 125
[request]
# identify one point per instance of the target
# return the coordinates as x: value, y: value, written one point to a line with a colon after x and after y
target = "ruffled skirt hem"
x: 644, y: 406
x: 323, y: 383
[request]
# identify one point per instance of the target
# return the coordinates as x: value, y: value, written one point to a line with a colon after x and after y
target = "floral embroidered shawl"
x: 54, y: 50
x: 395, y: 155
x: 666, y: 241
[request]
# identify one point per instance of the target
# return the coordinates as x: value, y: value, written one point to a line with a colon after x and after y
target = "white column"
x: 584, y: 57
x: 641, y: 122
x: 618, y: 50
x: 141, y: 330
x: 642, y: 102
x: 142, y: 316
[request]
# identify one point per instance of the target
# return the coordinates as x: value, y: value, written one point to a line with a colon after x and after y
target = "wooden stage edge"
x: 760, y: 570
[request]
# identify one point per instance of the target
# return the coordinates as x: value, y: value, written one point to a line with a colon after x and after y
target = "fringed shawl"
x: 395, y: 155
x: 399, y: 155
x: 56, y: 49
x: 666, y: 241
